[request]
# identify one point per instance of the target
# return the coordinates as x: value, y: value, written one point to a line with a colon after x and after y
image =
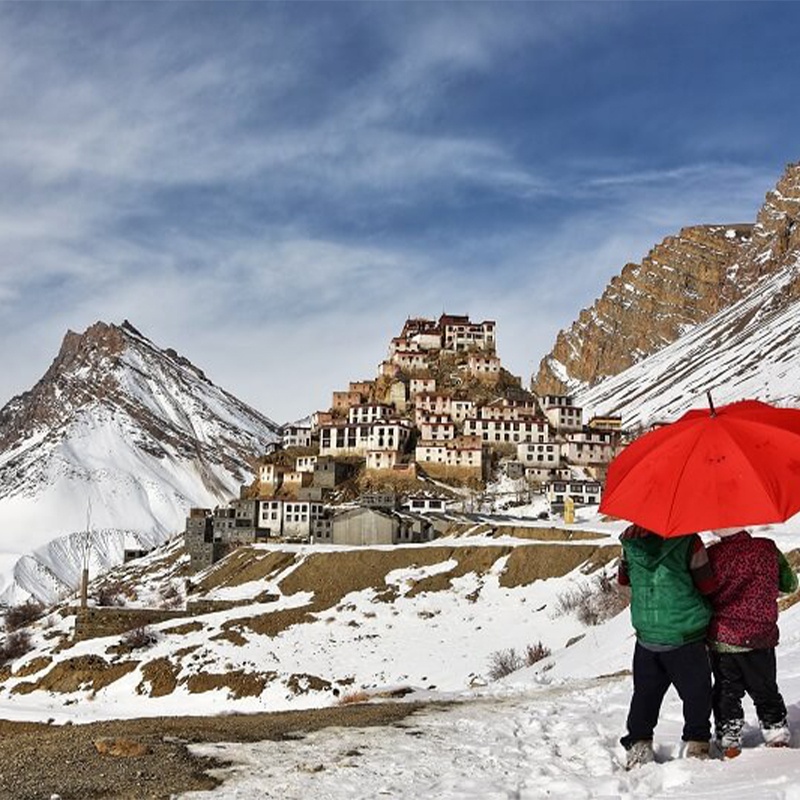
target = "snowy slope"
x: 119, y: 436
x: 551, y: 730
x: 746, y: 351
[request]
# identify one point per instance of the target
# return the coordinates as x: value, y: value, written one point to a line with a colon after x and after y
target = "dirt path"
x: 38, y: 762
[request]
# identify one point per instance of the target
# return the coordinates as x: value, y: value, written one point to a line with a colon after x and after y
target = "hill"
x: 746, y: 350
x: 291, y: 628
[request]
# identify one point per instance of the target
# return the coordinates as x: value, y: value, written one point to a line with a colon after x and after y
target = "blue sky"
x: 272, y: 188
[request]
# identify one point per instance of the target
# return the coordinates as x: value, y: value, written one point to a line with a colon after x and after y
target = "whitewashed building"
x: 463, y: 452
x: 539, y: 454
x: 562, y: 413
x: 461, y: 409
x: 296, y: 435
x: 294, y: 480
x: 433, y: 403
x: 424, y: 504
x: 270, y: 477
x: 378, y: 460
x: 344, y: 440
x: 541, y: 474
x: 426, y: 340
x: 460, y: 333
x: 305, y: 463
x: 483, y: 366
x: 417, y: 385
x: 494, y: 431
x: 581, y: 492
x: 366, y: 414
x: 589, y: 447
x: 505, y: 410
x: 389, y: 434
x: 436, y: 427
x: 290, y: 519
x: 409, y: 360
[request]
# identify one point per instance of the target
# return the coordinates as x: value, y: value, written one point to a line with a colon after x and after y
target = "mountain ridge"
x: 682, y: 282
x: 746, y: 350
x: 135, y: 432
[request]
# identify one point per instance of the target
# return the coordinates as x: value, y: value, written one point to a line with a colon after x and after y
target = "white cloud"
x: 227, y: 190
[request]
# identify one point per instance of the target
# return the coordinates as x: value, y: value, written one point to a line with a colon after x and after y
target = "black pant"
x: 752, y: 672
x: 687, y: 668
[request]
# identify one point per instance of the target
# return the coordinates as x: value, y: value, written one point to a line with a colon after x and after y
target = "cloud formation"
x: 272, y: 188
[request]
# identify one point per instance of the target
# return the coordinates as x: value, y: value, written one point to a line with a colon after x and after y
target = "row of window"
x: 588, y: 489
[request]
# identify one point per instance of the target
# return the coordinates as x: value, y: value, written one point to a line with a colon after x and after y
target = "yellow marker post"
x: 569, y: 510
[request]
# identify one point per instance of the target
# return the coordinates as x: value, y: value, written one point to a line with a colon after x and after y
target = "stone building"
x: 373, y: 526
x: 198, y: 539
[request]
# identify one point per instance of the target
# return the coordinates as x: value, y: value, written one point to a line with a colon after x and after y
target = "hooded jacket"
x: 751, y: 573
x: 666, y: 606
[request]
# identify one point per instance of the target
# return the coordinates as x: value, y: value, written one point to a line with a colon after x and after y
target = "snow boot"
x: 640, y: 753
x: 729, y: 738
x: 696, y: 749
x: 777, y: 736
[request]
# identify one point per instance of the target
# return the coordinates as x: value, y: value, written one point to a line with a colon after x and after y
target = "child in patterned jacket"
x: 751, y: 572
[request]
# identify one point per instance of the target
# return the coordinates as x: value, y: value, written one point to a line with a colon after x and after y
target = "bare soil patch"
x: 239, y: 683
x: 333, y: 575
x: 84, y: 672
x: 245, y: 565
x: 161, y: 676
x: 41, y: 760
x: 528, y: 564
x: 549, y: 534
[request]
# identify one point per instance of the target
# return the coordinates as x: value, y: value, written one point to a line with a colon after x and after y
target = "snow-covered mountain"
x: 746, y: 350
x: 118, y: 438
x: 683, y: 282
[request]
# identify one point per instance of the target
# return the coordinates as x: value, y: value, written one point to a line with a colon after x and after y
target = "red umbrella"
x: 712, y: 468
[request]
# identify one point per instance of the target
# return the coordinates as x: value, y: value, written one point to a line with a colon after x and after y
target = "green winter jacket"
x: 666, y: 607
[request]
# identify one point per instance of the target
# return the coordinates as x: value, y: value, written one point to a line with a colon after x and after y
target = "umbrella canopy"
x: 713, y: 468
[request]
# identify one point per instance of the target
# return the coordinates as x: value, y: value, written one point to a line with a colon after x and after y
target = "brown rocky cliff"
x: 54, y: 398
x: 776, y: 236
x: 682, y: 281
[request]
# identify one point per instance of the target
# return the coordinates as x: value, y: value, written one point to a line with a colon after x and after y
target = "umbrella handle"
x: 711, y: 404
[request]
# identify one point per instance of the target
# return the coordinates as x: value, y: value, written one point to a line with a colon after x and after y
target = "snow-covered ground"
x: 536, y: 741
x: 550, y: 730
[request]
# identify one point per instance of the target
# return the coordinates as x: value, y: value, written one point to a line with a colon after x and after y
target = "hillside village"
x: 394, y: 458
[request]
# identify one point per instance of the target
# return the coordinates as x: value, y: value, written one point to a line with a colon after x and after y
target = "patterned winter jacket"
x: 751, y: 572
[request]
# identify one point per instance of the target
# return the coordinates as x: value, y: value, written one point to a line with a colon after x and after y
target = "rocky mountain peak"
x: 98, y: 341
x: 776, y: 234
x: 135, y: 431
x: 682, y: 282
x: 81, y: 373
